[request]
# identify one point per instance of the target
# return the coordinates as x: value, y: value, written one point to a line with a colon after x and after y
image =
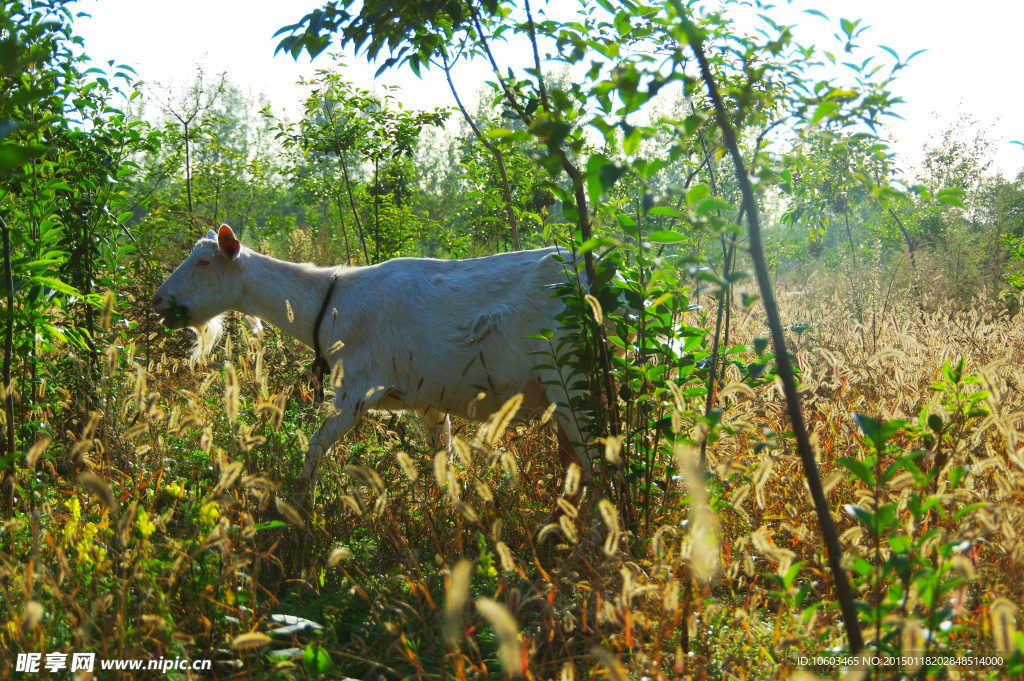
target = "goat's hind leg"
x: 438, y: 427
x: 326, y: 436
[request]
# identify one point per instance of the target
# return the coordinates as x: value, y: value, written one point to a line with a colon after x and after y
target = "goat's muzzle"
x: 172, y: 315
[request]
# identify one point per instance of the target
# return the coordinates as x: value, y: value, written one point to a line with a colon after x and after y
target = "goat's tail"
x: 207, y: 335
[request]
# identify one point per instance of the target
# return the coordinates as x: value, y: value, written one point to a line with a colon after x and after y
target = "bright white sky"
x: 971, y: 64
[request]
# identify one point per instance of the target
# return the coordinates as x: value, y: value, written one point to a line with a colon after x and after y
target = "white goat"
x: 419, y: 334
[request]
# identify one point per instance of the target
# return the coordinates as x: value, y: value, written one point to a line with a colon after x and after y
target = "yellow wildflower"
x: 145, y: 525
x: 75, y: 508
x: 175, y: 489
x: 209, y: 514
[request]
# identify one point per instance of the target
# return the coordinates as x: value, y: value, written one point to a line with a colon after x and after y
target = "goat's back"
x: 443, y: 331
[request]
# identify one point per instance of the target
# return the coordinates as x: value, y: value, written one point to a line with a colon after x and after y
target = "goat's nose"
x: 157, y: 300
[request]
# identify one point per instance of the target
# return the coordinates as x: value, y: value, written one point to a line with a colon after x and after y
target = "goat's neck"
x: 271, y: 286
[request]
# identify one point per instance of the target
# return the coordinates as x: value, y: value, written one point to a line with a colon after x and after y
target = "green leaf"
x: 950, y: 200
x: 665, y: 237
x: 316, y: 660
x: 858, y: 468
x: 56, y: 285
x: 16, y: 155
x: 968, y: 509
x: 878, y: 432
x: 697, y: 193
x: 956, y: 474
x: 625, y: 220
x: 824, y: 110
x: 270, y: 524
x: 791, y: 573
x: 124, y: 216
x: 712, y: 203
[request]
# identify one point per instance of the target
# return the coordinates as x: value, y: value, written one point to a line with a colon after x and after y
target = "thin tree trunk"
x: 785, y: 369
x: 7, y: 478
x: 849, y: 234
x: 498, y: 157
x: 344, y: 231
x: 610, y: 397
x: 188, y: 171
x: 352, y: 202
x: 376, y: 210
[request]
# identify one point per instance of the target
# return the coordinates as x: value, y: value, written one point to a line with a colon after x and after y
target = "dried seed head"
x: 507, y: 630
x: 455, y: 598
x: 508, y: 462
x: 572, y: 480
x: 463, y: 451
x: 231, y: 392
x: 568, y: 528
x: 963, y: 565
x: 567, y: 508
x: 37, y: 449
x: 367, y: 476
x: 228, y: 475
x: 616, y: 672
x: 441, y: 469
x: 253, y: 639
x: 289, y: 513
x: 471, y: 407
x: 613, y: 449
x: 271, y: 408
x: 338, y: 554
x: 1002, y: 615
x: 761, y: 477
x: 496, y: 425
x: 206, y: 440
x: 546, y: 416
x: 508, y: 563
x: 609, y: 514
x: 281, y: 401
x: 595, y: 308
x: 353, y: 504
x: 658, y: 543
x: 913, y: 640
x: 33, y: 616
x: 483, y: 491
x: 405, y: 461
x: 545, y: 531
x: 90, y: 428
x: 611, y: 543
x: 467, y: 512
x: 671, y: 596
x: 111, y: 360
x: 337, y: 374
x: 258, y: 482
x: 96, y: 485
x: 291, y: 315
x: 108, y: 308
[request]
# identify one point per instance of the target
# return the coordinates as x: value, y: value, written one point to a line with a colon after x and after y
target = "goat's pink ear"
x: 229, y: 245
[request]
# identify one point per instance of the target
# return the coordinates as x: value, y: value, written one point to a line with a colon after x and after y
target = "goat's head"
x: 205, y: 285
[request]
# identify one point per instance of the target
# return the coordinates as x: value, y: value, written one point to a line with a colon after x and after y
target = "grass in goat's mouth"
x: 176, y: 316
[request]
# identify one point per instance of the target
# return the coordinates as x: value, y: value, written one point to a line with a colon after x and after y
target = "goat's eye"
x: 202, y: 263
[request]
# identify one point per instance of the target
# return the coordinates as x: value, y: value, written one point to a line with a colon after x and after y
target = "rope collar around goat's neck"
x: 320, y: 366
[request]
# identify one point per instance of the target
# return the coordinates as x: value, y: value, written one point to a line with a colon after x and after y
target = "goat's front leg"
x: 325, y: 437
